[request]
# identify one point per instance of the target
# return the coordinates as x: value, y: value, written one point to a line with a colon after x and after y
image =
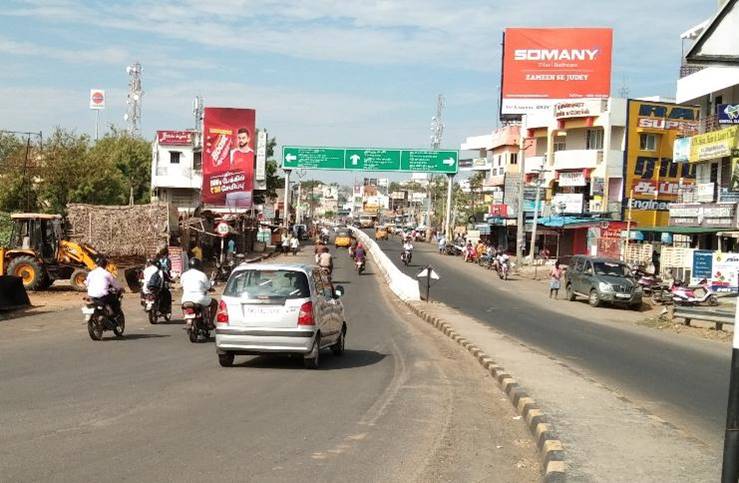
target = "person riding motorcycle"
x: 407, y: 249
x: 195, y: 288
x: 502, y: 260
x: 103, y: 287
x: 156, y: 281
x: 359, y: 253
x: 326, y: 261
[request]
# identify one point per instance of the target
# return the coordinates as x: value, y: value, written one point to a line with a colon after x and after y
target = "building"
x: 708, y: 210
x: 176, y: 169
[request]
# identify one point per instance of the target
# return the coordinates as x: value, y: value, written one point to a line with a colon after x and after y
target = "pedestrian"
x: 655, y: 262
x: 555, y: 280
x: 294, y: 245
x: 442, y: 244
x: 285, y: 242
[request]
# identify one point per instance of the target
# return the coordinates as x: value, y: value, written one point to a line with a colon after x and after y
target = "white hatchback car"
x: 282, y: 309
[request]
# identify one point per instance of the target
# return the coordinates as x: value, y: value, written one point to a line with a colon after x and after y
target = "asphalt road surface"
x: 685, y: 379
x: 403, y: 404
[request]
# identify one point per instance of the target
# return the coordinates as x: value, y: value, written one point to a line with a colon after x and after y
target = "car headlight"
x: 605, y: 287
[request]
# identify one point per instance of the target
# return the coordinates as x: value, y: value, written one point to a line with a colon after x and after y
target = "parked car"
x: 602, y: 280
x: 282, y: 309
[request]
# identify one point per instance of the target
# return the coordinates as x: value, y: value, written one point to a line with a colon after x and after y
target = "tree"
x: 17, y: 189
x: 129, y: 155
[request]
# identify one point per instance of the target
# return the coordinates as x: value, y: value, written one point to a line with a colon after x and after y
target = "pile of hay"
x: 122, y: 231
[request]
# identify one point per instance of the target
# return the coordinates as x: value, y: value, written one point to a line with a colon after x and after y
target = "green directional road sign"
x: 370, y: 159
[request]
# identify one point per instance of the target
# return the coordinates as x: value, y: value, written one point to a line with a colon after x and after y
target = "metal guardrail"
x: 717, y: 315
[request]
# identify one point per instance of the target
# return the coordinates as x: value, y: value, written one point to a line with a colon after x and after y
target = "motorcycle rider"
x: 195, y: 288
x: 326, y: 261
x: 359, y: 254
x: 503, y: 260
x: 156, y: 281
x: 408, y: 248
x: 103, y: 287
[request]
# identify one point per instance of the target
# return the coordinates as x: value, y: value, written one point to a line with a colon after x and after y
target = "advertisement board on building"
x: 728, y: 113
x: 681, y: 150
x: 650, y: 174
x: 714, y: 145
x: 572, y: 178
x: 480, y: 164
x: 542, y: 66
x: 570, y: 203
x: 499, y: 210
x: 586, y: 108
x: 174, y: 138
x: 397, y: 195
x: 725, y: 272
x: 704, y: 215
x: 418, y: 197
x: 228, y: 157
x: 260, y: 169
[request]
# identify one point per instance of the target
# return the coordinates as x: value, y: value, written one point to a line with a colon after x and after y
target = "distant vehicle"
x: 280, y: 309
x: 366, y: 221
x: 602, y: 280
x: 301, y: 231
x: 343, y: 239
x: 381, y: 233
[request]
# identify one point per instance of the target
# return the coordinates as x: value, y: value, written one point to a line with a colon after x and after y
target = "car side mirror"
x: 338, y: 291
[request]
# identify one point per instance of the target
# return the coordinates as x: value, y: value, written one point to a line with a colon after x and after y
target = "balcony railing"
x: 709, y: 124
x: 577, y: 158
x: 688, y: 69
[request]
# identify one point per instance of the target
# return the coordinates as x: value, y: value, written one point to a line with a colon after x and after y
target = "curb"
x: 549, y: 446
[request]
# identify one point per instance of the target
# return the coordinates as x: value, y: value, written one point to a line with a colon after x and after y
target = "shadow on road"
x: 136, y: 337
x: 351, y: 358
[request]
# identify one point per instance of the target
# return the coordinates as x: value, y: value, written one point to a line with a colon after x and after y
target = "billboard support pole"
x: 97, y: 124
x: 286, y: 215
x: 448, y: 214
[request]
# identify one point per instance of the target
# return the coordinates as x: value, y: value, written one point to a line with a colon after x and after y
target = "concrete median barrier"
x: 405, y: 287
x: 12, y: 293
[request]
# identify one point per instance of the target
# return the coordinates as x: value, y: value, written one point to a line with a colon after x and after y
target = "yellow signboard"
x: 713, y: 145
x: 651, y: 178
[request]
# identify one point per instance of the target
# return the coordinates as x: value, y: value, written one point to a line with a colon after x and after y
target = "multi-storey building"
x: 176, y: 169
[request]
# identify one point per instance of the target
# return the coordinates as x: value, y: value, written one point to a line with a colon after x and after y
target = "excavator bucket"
x: 12, y: 293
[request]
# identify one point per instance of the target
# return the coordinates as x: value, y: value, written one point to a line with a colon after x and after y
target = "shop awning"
x: 680, y: 230
x: 565, y: 222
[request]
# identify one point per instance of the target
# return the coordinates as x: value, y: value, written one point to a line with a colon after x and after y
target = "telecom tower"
x: 133, y: 114
x: 437, y: 125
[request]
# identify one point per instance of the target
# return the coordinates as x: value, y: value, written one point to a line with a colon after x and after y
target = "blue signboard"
x: 702, y: 264
x: 728, y: 113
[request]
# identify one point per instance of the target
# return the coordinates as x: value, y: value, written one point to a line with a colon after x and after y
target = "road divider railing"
x: 719, y: 316
x: 405, y: 287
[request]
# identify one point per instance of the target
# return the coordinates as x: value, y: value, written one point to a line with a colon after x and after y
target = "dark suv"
x: 602, y: 280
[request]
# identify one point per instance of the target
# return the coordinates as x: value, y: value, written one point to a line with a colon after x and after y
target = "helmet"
x: 195, y: 263
x: 359, y: 245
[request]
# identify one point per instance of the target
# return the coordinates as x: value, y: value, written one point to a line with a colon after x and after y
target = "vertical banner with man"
x: 228, y: 157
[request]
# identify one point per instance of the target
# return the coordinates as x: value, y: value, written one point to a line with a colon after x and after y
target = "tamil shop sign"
x: 174, y: 138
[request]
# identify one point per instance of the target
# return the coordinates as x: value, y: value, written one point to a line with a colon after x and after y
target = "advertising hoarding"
x: 545, y: 64
x: 228, y: 157
x: 260, y: 172
x: 652, y: 175
x: 174, y: 138
x: 728, y: 113
x: 97, y: 99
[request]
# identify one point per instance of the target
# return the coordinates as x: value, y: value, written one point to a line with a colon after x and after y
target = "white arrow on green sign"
x: 370, y: 159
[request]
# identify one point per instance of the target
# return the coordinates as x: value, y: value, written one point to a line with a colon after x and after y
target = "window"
x: 560, y: 145
x: 268, y: 284
x: 647, y: 142
x: 174, y: 157
x: 197, y: 161
x: 595, y: 139
x: 514, y: 158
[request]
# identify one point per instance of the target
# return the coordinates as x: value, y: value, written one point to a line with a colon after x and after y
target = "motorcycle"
x: 359, y: 264
x: 99, y: 318
x: 691, y: 296
x: 152, y: 303
x: 453, y: 250
x: 406, y: 256
x: 486, y: 261
x: 199, y: 319
x: 649, y: 283
x: 503, y: 269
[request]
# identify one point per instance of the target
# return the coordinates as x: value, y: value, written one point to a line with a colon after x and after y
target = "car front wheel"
x: 594, y: 299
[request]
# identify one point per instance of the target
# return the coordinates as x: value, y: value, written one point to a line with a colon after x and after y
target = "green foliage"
x: 16, y: 173
x: 131, y: 157
x: 5, y: 228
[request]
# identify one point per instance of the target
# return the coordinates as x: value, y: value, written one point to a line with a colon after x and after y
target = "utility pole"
x: 539, y: 181
x: 437, y: 130
x: 286, y: 215
x: 448, y: 214
x: 520, y: 218
x: 135, y: 93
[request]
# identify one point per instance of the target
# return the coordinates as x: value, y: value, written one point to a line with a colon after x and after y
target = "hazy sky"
x: 317, y: 72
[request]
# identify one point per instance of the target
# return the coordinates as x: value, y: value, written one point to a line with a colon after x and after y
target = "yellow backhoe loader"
x: 39, y: 254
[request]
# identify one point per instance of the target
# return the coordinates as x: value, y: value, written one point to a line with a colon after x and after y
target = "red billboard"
x: 542, y: 64
x: 228, y: 157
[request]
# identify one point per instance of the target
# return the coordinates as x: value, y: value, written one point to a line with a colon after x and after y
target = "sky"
x: 318, y: 72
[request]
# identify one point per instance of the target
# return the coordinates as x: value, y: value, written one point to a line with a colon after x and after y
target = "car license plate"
x: 261, y: 310
x: 623, y: 295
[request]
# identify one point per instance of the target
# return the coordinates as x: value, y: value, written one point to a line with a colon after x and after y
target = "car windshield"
x: 611, y: 268
x: 253, y: 284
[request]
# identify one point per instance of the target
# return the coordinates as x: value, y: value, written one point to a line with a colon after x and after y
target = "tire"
x: 312, y: 361
x: 28, y: 269
x: 657, y: 298
x: 193, y: 335
x: 713, y: 300
x: 594, y: 298
x: 77, y: 280
x: 95, y: 331
x: 120, y: 327
x: 338, y: 348
x: 569, y: 292
x: 226, y: 360
x: 152, y: 316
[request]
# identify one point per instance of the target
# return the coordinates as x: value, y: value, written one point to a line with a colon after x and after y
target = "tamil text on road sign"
x: 370, y: 159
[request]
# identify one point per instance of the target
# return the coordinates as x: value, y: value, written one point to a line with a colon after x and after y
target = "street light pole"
x: 448, y: 215
x: 536, y: 212
x: 520, y: 219
x: 286, y: 215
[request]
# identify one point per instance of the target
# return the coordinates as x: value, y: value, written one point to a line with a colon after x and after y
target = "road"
x: 403, y: 404
x: 684, y: 380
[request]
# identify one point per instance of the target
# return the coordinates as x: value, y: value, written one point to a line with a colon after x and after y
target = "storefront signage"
x: 681, y: 150
x: 707, y: 216
x: 725, y: 272
x: 702, y: 266
x: 174, y: 138
x: 499, y: 210
x: 480, y: 164
x: 567, y: 203
x: 728, y: 113
x: 703, y: 193
x: 565, y: 110
x: 572, y: 178
x: 597, y: 185
x: 713, y: 145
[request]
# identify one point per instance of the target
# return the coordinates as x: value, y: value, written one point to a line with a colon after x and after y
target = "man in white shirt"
x: 149, y: 271
x: 102, y: 286
x: 195, y: 287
